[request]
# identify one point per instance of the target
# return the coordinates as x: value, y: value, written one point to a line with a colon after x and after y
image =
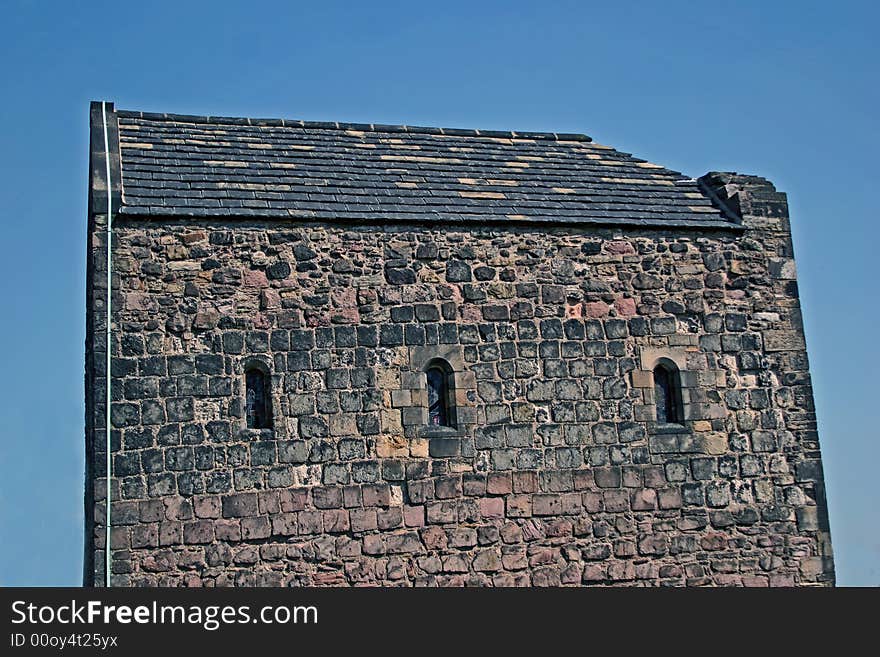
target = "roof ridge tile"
x: 366, y: 127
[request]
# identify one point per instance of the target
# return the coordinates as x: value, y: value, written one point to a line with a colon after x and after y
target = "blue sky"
x: 786, y: 90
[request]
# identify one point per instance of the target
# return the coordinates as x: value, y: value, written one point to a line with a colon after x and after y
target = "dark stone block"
x: 279, y: 340
x: 400, y: 276
x: 127, y: 464
x: 233, y: 342
x: 263, y: 453
x: 484, y: 273
x: 426, y: 251
x: 393, y: 470
x: 278, y: 271
x: 324, y: 337
x: 735, y: 321
x: 414, y: 334
x: 179, y: 409
x: 345, y: 336
x: 444, y: 447
x: 303, y: 253
x: 390, y: 335
x: 299, y: 361
x: 181, y: 365
x: 338, y: 378
x: 179, y: 458
x: 638, y: 326
x: 574, y: 329
x: 366, y: 336
x: 257, y: 341
x: 663, y: 325
x: 457, y: 271
x: 616, y: 328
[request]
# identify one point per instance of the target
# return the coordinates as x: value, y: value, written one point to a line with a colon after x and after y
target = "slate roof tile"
x: 278, y: 168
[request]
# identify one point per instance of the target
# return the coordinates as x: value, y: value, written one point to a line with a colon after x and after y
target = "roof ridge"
x: 364, y: 127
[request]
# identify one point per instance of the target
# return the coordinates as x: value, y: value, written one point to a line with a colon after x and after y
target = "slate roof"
x: 225, y: 167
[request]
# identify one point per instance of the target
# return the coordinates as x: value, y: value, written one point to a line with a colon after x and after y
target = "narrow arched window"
x: 440, y: 410
x: 258, y: 400
x: 667, y: 394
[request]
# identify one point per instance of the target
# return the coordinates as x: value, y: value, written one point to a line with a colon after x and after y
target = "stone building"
x: 385, y: 355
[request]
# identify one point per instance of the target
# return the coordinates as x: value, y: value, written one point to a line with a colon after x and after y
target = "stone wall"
x: 556, y: 473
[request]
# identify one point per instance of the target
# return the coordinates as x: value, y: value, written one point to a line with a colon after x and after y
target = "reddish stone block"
x: 559, y: 528
x: 616, y: 501
x: 442, y: 512
x: 525, y: 481
x: 207, y: 507
x: 363, y: 520
x: 200, y: 531
x: 572, y: 504
x: 548, y: 576
x: 619, y: 247
x: 519, y: 506
x: 644, y: 499
x: 374, y: 544
x: 593, y: 502
x: 486, y: 561
x: 499, y: 483
x: 352, y: 497
x: 293, y: 499
x: 491, y: 507
x: 546, y: 504
x: 151, y: 511
x: 176, y: 508
x: 625, y: 307
x: 336, y: 521
x: 376, y: 495
x: 624, y: 547
x: 390, y: 518
x: 434, y: 538
x: 171, y: 533
x: 227, y: 530
x: 607, y: 477
x: 327, y: 497
x: 652, y: 545
x: 144, y: 536
x: 714, y: 541
x: 669, y: 498
x: 583, y: 479
x: 240, y: 505
x: 414, y: 516
x: 621, y: 571
x: 670, y: 571
x: 784, y: 580
x: 310, y: 522
x: 255, y: 528
x: 268, y: 501
x: 447, y: 487
x: 595, y: 309
x: 594, y: 572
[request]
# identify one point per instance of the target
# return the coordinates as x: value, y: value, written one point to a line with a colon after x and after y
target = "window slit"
x: 258, y: 409
x: 667, y: 395
x: 438, y: 397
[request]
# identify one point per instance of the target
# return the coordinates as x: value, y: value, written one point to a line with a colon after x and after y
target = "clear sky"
x: 787, y: 90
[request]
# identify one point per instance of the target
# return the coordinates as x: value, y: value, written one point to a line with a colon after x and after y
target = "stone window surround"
x: 643, y: 381
x: 443, y: 441
x: 278, y: 429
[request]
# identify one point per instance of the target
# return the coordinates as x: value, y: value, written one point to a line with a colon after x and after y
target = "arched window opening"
x: 667, y: 394
x: 440, y: 408
x: 258, y: 400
